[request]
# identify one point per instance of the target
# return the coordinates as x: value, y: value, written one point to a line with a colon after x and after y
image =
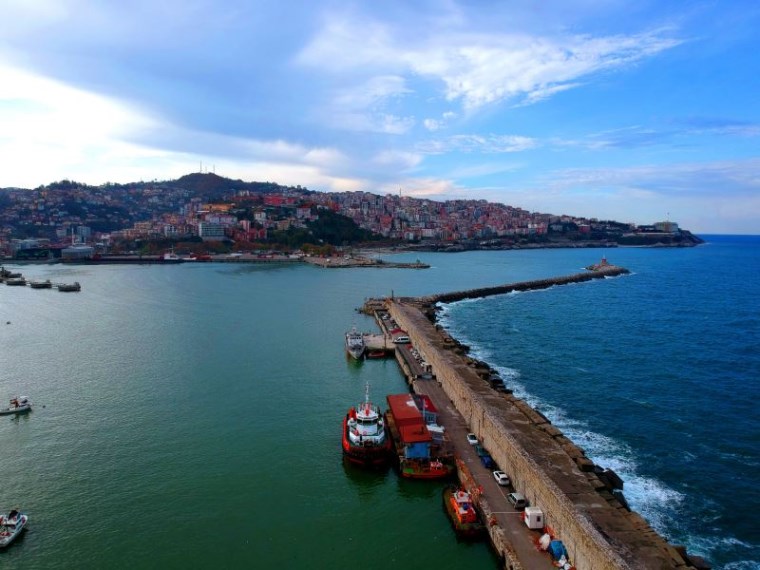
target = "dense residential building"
x: 211, y: 208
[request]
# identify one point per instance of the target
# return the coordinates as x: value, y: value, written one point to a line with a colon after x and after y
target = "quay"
x: 582, y: 503
x: 17, y: 279
x: 332, y: 262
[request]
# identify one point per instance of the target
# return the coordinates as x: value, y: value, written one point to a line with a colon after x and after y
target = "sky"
x: 635, y: 111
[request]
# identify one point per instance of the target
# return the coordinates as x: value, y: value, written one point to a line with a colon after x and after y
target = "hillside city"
x: 217, y: 213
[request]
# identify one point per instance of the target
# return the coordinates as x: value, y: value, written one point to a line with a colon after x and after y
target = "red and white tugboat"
x: 365, y: 440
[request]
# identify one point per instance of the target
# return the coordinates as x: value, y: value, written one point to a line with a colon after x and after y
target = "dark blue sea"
x: 656, y: 375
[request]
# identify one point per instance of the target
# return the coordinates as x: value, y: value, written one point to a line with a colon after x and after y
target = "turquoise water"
x: 190, y: 415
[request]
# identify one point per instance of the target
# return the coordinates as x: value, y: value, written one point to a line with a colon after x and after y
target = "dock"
x: 18, y: 280
x: 582, y: 503
x: 336, y: 262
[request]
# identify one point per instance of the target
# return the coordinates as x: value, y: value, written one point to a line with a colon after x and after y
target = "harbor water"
x: 189, y: 415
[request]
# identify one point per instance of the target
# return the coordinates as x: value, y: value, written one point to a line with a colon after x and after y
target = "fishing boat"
x: 376, y: 353
x: 365, y: 439
x: 461, y: 510
x: 355, y: 344
x: 425, y: 468
x: 19, y: 405
x: 11, y: 526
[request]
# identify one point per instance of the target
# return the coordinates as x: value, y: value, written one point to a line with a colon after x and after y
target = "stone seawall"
x: 599, y: 272
x: 553, y: 473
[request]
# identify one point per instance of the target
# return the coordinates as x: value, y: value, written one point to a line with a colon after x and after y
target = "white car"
x: 472, y: 439
x: 501, y: 478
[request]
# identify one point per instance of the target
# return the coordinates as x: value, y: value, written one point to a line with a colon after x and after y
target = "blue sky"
x: 633, y: 111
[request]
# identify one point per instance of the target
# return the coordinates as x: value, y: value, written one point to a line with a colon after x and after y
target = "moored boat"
x: 19, y: 405
x: 15, y: 281
x: 5, y: 274
x: 171, y: 257
x: 73, y: 287
x: 461, y: 510
x: 365, y: 440
x: 355, y: 346
x: 420, y: 455
x: 425, y: 468
x: 11, y: 526
x: 377, y: 353
x: 41, y: 284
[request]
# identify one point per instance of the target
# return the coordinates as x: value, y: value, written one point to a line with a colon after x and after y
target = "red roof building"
x: 404, y: 411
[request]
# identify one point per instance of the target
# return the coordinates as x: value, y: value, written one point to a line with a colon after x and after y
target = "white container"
x: 534, y: 518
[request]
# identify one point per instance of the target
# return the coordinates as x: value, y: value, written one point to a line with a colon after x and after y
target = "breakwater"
x: 579, y: 499
x: 598, y: 272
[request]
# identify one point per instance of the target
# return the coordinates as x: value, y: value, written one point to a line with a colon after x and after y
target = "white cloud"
x: 477, y: 68
x: 477, y: 143
x: 362, y: 108
x: 50, y: 131
x: 437, y: 124
x: 372, y: 92
x: 349, y: 42
x: 434, y: 188
x: 397, y: 160
x: 483, y: 69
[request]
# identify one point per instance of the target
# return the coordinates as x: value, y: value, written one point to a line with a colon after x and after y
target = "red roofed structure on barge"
x: 420, y: 456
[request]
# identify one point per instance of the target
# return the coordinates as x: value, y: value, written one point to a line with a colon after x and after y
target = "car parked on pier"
x: 518, y: 501
x: 472, y: 439
x: 501, y: 478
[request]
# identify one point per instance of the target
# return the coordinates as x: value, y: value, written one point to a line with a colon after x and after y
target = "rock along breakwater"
x: 579, y: 499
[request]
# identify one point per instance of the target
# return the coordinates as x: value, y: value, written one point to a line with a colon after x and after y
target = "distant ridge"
x: 213, y: 186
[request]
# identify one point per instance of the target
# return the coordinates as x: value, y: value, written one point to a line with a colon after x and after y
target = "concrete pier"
x: 553, y: 473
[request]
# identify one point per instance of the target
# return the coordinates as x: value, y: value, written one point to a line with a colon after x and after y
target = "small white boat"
x: 11, y: 526
x: 18, y: 405
x: 171, y: 257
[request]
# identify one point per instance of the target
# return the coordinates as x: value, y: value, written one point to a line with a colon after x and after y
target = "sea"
x: 189, y: 415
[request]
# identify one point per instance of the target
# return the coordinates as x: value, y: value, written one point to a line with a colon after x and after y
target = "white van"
x: 401, y: 340
x: 517, y: 500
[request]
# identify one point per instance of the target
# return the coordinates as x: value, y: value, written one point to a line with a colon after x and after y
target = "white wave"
x: 744, y: 565
x: 705, y: 546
